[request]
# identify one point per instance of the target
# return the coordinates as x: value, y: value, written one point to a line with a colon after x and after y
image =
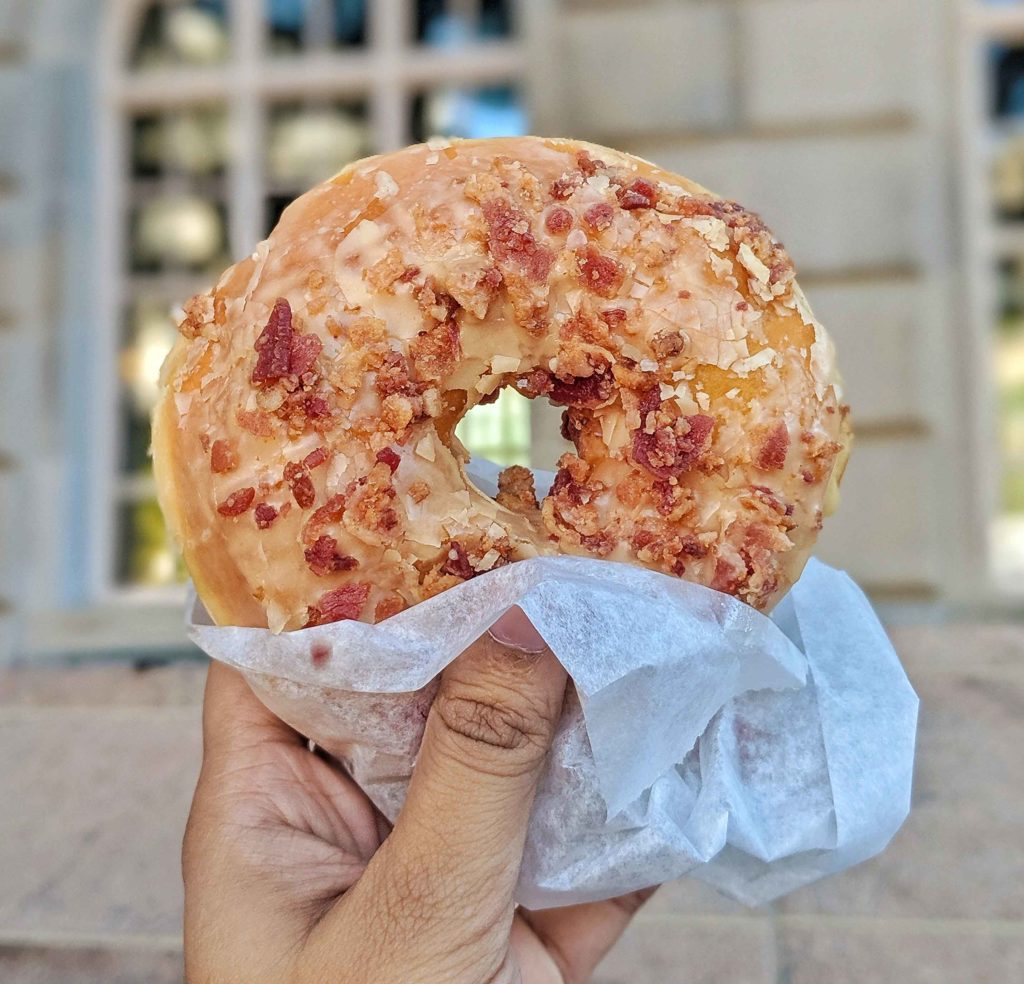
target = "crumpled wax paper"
x: 704, y: 738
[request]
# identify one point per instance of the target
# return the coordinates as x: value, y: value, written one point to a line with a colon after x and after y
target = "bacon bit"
x: 387, y: 607
x: 566, y: 488
x: 493, y: 279
x: 418, y: 491
x: 692, y: 547
x: 667, y: 343
x: 256, y: 422
x: 390, y: 458
x: 582, y: 391
x: 280, y: 351
x: 558, y: 220
x: 537, y: 383
x: 238, y: 502
x: 684, y: 295
x: 315, y: 458
x: 305, y: 351
x: 319, y: 654
x: 640, y: 194
x: 808, y: 476
x: 323, y: 557
x: 765, y: 495
x: 223, y: 457
x: 666, y: 454
x: 457, y: 563
x: 274, y: 346
x: 316, y: 407
x: 613, y: 317
x: 772, y: 456
x: 728, y: 576
x: 587, y: 164
x: 410, y: 273
x: 571, y: 428
x: 678, y: 567
x: 330, y: 512
x: 516, y: 490
x: 563, y: 187
x: 339, y: 604
x: 742, y: 306
x: 510, y: 240
x: 299, y: 482
x: 435, y: 353
x: 599, y: 217
x: 602, y: 543
x: 393, y: 376
x: 265, y: 515
x: 599, y: 273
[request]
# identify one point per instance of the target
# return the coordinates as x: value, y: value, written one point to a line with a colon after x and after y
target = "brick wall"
x: 826, y: 117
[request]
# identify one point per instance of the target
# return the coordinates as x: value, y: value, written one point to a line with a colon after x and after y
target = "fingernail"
x: 514, y: 629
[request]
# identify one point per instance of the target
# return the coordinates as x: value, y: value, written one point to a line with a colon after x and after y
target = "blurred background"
x: 146, y: 145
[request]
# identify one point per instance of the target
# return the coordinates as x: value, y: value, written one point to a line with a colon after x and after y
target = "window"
x: 993, y: 142
x: 216, y: 114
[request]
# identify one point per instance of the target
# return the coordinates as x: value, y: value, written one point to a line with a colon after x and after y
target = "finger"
x: 578, y: 936
x: 461, y: 831
x: 234, y: 718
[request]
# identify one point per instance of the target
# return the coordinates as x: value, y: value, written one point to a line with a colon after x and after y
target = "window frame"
x: 388, y: 71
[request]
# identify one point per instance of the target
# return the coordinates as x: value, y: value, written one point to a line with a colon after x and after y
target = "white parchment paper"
x: 705, y: 739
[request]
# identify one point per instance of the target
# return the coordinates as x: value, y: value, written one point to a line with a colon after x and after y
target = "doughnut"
x: 304, y: 440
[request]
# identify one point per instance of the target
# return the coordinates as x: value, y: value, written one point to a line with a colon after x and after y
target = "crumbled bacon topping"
x: 516, y: 490
x: 558, y: 220
x: 456, y: 562
x: 281, y: 352
x: 641, y: 193
x: 315, y: 458
x: 299, y: 482
x: 223, y: 457
x: 599, y: 273
x: 324, y: 558
x: 598, y: 217
x: 274, y: 345
x: 667, y: 453
x: 582, y: 391
x: 772, y: 456
x: 265, y: 515
x: 390, y: 458
x: 588, y: 165
x: 237, y: 503
x: 510, y: 239
x: 563, y: 187
x: 339, y: 604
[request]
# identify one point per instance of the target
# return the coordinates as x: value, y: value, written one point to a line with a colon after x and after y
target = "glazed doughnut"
x: 304, y: 440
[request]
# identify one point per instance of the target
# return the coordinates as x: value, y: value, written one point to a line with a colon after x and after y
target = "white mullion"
x: 246, y: 122
x: 112, y: 177
x: 388, y: 36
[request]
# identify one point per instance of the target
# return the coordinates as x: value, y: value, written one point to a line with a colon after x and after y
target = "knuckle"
x: 488, y: 724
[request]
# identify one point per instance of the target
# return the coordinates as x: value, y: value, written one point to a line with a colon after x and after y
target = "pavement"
x: 97, y: 765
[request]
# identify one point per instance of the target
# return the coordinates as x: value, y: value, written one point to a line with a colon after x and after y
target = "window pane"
x: 446, y: 23
x: 150, y: 333
x: 309, y: 143
x: 191, y: 142
x: 171, y: 34
x: 487, y: 111
x: 296, y: 26
x: 146, y: 555
x: 499, y: 431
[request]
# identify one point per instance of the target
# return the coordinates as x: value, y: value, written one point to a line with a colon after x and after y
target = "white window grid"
x: 387, y: 71
x: 994, y: 568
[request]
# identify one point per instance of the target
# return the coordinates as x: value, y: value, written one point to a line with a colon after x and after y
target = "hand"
x: 292, y: 876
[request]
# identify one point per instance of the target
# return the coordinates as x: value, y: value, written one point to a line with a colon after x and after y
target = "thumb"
x: 461, y: 832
